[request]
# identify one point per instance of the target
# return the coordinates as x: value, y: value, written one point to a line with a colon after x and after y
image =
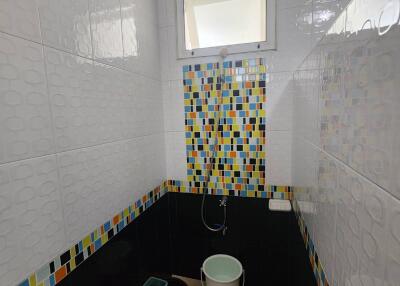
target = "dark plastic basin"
x: 152, y: 281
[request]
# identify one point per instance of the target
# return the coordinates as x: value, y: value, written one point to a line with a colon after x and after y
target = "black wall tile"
x: 169, y: 238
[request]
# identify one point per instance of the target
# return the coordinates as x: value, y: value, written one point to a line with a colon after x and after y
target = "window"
x: 205, y: 27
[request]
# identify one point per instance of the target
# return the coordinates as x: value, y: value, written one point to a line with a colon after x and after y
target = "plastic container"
x: 152, y: 281
x: 222, y: 270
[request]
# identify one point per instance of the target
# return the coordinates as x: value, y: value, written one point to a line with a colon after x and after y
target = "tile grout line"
x: 94, y: 60
x: 332, y: 157
x: 312, y: 253
x: 81, y: 148
x: 52, y: 123
x: 90, y: 28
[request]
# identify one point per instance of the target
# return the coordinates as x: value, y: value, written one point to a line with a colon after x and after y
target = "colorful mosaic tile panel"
x: 270, y: 192
x: 238, y: 88
x: 312, y: 252
x: 53, y: 272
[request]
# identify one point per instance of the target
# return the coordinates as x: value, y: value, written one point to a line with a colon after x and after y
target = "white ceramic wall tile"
x: 279, y: 157
x: 395, y: 178
x: 325, y: 211
x: 131, y: 85
x: 279, y: 107
x: 306, y: 122
x: 352, y: 100
x: 130, y: 32
x: 174, y: 106
x: 105, y: 20
x: 109, y: 176
x: 140, y: 37
x: 145, y: 17
x: 106, y: 123
x: 324, y: 15
x: 31, y: 219
x: 153, y: 113
x: 176, y: 156
x: 362, y: 229
x: 294, y: 27
x: 174, y: 65
x: 87, y: 180
x: 95, y: 104
x: 20, y: 18
x: 164, y: 54
x: 305, y: 178
x: 359, y: 103
x: 166, y: 13
x: 149, y: 43
x: 66, y: 25
x: 392, y: 269
x: 153, y: 161
x: 284, y: 4
x: 75, y: 104
x: 25, y: 121
x: 353, y: 223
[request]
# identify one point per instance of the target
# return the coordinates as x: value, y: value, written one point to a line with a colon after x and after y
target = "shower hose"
x: 210, y: 165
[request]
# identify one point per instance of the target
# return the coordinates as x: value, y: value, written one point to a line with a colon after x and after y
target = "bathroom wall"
x: 81, y: 122
x: 346, y: 146
x: 300, y: 24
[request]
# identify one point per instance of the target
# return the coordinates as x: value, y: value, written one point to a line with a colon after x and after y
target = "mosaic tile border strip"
x: 312, y: 252
x: 53, y: 272
x: 269, y: 192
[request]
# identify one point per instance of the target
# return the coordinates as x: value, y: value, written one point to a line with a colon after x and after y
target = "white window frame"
x: 269, y: 44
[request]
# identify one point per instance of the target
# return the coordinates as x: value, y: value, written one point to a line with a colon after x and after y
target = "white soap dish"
x: 280, y: 205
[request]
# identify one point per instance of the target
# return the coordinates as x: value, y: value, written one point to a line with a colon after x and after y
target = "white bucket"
x: 222, y: 270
